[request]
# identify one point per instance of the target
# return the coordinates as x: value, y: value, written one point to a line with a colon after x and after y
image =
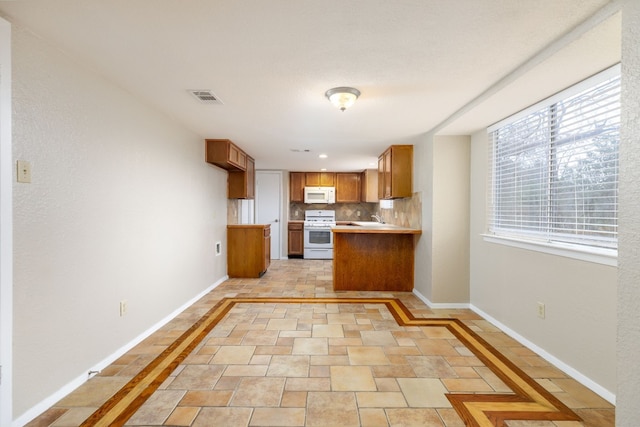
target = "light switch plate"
x: 23, y: 170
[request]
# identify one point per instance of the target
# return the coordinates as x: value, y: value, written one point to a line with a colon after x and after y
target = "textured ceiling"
x: 417, y: 63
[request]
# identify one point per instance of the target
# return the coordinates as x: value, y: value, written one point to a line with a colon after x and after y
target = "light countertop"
x: 370, y: 227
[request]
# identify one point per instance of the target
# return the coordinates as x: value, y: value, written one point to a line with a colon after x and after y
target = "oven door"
x: 318, y: 238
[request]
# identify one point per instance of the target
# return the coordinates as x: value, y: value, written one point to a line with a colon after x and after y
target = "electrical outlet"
x: 218, y: 248
x: 541, y: 310
x: 358, y: 214
x: 123, y: 307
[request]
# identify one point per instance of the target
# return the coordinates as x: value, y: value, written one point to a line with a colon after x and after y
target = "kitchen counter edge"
x: 378, y: 229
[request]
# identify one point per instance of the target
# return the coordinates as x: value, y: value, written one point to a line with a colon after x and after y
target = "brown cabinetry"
x: 296, y: 239
x: 347, y: 187
x: 369, y: 186
x: 320, y: 179
x: 248, y: 250
x: 296, y: 186
x: 224, y: 153
x: 395, y: 169
x: 242, y: 183
x: 241, y: 167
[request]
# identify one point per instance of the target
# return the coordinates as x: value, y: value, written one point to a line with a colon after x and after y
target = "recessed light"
x: 323, y: 156
x: 323, y: 170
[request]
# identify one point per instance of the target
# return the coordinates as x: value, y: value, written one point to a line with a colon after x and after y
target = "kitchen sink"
x: 370, y: 224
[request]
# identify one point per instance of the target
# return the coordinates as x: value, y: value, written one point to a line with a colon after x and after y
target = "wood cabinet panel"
x: 395, y: 170
x: 242, y: 184
x: 296, y: 186
x: 296, y: 239
x: 241, y: 167
x: 225, y: 154
x: 347, y: 187
x: 369, y: 186
x: 373, y: 262
x: 320, y: 179
x: 248, y: 250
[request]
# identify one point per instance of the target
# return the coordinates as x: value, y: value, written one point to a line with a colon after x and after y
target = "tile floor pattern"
x: 319, y: 364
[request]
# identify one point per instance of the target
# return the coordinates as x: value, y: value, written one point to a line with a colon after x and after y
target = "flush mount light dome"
x: 342, y: 97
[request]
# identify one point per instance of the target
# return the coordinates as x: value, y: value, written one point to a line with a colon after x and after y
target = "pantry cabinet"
x: 348, y: 187
x: 248, y: 250
x: 395, y: 170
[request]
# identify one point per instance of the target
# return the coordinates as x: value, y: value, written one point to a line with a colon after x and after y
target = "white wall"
x: 423, y: 183
x: 450, y: 228
x: 627, y: 411
x: 6, y: 225
x: 122, y: 206
x: 442, y: 252
x: 507, y: 283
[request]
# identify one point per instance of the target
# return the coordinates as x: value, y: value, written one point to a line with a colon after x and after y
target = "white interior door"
x: 269, y: 206
x: 6, y: 226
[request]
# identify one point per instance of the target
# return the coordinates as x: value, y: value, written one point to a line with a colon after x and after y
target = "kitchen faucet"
x: 377, y: 218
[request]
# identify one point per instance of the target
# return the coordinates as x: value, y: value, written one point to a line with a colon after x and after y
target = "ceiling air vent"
x: 205, y: 96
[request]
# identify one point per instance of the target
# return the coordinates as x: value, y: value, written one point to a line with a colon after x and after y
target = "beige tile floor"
x: 299, y: 364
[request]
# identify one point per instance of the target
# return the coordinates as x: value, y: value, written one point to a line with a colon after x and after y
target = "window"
x: 554, y: 167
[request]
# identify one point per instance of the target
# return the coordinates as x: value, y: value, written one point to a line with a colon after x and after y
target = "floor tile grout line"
x: 117, y: 410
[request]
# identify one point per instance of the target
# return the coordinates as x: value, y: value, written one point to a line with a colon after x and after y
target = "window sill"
x: 594, y: 255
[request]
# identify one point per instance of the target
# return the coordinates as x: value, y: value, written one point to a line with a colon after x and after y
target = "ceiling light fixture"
x: 323, y: 156
x: 342, y: 97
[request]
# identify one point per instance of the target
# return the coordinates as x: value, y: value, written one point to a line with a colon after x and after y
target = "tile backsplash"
x: 405, y: 212
x: 344, y: 211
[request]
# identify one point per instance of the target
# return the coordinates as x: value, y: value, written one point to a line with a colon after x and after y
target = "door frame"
x: 6, y: 228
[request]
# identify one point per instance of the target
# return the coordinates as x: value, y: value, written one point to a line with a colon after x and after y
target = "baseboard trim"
x: 440, y: 305
x: 78, y: 381
x: 575, y: 374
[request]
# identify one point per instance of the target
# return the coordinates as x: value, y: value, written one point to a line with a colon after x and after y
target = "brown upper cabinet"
x: 320, y: 179
x: 241, y: 167
x: 296, y: 186
x: 224, y: 153
x: 395, y: 170
x: 351, y: 187
x: 242, y: 183
x: 369, y: 186
x: 347, y: 187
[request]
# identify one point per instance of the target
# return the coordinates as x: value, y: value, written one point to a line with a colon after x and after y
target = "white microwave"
x: 319, y: 194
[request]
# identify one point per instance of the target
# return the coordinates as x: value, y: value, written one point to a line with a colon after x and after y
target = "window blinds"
x: 554, y: 169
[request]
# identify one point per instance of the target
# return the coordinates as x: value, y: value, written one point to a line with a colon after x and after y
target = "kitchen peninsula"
x: 373, y: 257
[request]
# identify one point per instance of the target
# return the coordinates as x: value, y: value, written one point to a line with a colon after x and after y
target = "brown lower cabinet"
x: 296, y: 240
x: 248, y: 250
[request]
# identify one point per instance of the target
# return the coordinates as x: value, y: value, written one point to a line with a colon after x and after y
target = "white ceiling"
x: 416, y: 62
